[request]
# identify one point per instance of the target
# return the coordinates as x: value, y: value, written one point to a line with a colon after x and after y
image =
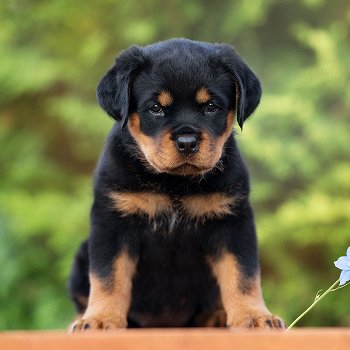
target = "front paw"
x: 258, y: 320
x: 97, y: 323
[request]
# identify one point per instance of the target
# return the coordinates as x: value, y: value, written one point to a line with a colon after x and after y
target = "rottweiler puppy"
x: 172, y: 241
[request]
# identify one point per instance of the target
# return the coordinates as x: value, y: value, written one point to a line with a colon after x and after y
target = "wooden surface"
x: 171, y: 339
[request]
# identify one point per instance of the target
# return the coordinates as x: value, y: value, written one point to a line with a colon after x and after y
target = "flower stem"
x: 329, y: 290
x: 340, y: 287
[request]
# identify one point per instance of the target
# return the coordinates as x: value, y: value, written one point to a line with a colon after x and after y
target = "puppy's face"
x: 180, y: 121
x: 182, y: 98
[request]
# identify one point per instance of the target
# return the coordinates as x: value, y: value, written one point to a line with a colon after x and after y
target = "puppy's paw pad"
x: 92, y: 323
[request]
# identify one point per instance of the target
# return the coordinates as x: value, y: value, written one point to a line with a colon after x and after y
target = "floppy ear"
x: 247, y: 83
x: 113, y: 91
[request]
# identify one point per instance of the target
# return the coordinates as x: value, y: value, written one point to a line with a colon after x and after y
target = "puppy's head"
x: 178, y: 99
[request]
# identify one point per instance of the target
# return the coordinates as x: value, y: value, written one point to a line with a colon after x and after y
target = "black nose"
x: 187, y: 143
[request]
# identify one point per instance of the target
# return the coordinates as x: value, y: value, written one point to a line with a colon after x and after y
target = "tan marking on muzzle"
x: 159, y: 153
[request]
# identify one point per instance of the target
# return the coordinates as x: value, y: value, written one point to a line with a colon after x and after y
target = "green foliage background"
x: 52, y: 54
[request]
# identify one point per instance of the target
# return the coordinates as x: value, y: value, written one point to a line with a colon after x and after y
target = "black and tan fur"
x: 172, y: 241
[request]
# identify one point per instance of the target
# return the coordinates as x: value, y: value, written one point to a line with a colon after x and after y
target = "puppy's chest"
x: 163, y: 211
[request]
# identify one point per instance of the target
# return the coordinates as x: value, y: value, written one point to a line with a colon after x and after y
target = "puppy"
x: 172, y: 241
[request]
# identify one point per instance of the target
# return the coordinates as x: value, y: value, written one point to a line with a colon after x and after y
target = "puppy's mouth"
x: 187, y: 169
x: 181, y: 165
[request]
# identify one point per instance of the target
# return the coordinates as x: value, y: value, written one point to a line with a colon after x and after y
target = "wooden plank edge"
x: 171, y: 339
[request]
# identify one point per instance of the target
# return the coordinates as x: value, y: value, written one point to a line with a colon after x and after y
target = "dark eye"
x: 156, y: 110
x: 211, y: 108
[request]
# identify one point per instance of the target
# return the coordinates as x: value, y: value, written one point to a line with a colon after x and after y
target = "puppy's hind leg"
x: 78, y: 283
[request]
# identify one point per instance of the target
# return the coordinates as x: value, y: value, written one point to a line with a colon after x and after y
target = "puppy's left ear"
x: 248, y: 85
x: 113, y: 91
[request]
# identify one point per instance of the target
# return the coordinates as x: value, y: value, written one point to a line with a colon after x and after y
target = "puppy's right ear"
x: 248, y: 87
x: 113, y: 91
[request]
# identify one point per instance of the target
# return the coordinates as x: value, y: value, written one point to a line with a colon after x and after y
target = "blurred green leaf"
x: 296, y: 145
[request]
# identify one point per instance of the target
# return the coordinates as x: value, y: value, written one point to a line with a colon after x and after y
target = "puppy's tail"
x: 78, y: 283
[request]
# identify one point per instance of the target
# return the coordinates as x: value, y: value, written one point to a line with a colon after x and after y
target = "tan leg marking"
x: 165, y: 98
x: 202, y: 95
x: 243, y: 309
x: 109, y: 303
x: 141, y: 203
x: 208, y: 206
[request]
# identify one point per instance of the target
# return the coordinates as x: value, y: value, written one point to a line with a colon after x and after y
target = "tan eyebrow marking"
x: 165, y: 98
x: 202, y: 95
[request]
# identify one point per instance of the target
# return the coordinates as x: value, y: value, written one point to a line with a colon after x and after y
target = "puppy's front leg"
x: 113, y: 260
x: 109, y: 299
x: 241, y: 296
x: 235, y: 266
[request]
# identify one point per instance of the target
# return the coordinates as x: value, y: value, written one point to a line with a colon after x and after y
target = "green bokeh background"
x: 297, y: 144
